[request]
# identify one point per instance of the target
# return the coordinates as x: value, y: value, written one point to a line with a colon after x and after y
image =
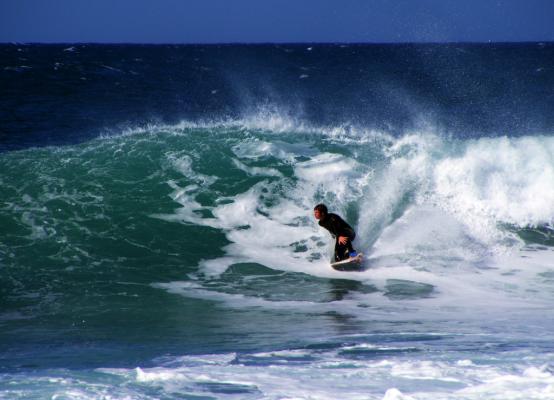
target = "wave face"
x: 182, y: 259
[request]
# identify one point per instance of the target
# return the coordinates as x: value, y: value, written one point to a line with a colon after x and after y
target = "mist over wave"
x: 468, y: 90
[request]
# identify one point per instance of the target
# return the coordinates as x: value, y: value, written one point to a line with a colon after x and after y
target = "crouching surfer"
x: 339, y: 229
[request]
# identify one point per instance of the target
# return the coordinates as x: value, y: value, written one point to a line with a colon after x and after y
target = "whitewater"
x: 181, y: 259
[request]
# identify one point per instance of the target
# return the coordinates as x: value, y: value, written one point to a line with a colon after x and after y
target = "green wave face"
x: 97, y: 238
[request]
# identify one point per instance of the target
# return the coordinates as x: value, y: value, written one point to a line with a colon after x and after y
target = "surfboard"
x: 350, y: 264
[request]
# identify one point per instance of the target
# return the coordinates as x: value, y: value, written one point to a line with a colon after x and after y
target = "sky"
x: 277, y: 21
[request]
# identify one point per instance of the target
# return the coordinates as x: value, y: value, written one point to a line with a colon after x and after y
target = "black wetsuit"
x: 336, y: 225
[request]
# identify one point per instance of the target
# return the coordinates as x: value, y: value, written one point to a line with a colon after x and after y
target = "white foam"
x: 287, y: 152
x: 300, y: 374
x: 183, y: 164
x: 499, y: 180
x: 430, y: 212
x: 532, y: 383
x: 406, y: 174
x: 332, y: 374
x: 395, y: 394
x: 270, y: 235
x: 257, y: 171
x: 267, y: 119
x: 343, y: 177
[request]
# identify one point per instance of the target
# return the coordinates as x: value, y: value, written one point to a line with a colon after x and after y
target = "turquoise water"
x: 184, y: 262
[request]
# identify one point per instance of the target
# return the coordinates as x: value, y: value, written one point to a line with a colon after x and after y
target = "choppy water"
x: 158, y: 242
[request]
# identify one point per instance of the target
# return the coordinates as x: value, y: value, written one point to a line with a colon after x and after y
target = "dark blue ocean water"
x: 58, y: 94
x: 157, y: 237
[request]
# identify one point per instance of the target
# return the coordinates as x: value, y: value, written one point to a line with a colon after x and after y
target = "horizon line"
x: 273, y: 43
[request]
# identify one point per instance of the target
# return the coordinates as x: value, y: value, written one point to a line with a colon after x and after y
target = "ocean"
x: 157, y: 238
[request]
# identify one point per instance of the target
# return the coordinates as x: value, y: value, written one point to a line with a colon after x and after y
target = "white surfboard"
x: 350, y: 264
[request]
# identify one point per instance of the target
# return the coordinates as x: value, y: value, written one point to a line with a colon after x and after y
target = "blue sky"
x: 255, y: 21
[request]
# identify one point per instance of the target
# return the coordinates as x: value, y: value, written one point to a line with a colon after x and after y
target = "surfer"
x: 340, y: 230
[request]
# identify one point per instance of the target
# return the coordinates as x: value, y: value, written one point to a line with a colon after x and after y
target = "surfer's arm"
x: 338, y: 229
x: 344, y: 231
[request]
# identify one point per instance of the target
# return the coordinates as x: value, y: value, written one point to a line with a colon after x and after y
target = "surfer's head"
x: 320, y: 211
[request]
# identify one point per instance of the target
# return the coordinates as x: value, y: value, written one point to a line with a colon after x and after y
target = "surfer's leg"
x: 351, y: 251
x: 341, y: 251
x: 350, y: 248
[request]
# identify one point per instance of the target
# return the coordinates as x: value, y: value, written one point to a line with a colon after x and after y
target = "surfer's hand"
x: 343, y: 239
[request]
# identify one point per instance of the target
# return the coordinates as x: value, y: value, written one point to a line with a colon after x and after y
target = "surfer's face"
x: 317, y: 214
